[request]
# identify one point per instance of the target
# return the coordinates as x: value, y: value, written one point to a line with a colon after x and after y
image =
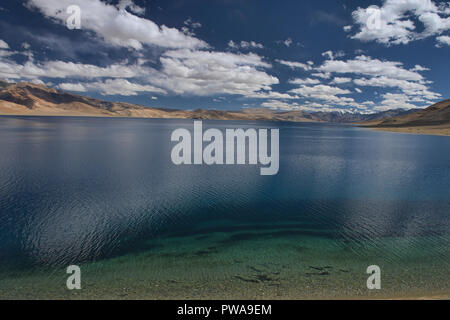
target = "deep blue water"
x: 83, y: 189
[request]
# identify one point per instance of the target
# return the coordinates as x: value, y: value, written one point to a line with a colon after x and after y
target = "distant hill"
x: 432, y: 120
x: 33, y: 99
x: 3, y: 84
x: 340, y: 117
x: 437, y: 114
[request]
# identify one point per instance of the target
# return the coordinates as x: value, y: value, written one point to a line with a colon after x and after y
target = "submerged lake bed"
x: 103, y: 193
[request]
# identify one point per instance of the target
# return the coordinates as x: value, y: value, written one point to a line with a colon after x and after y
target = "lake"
x: 103, y: 193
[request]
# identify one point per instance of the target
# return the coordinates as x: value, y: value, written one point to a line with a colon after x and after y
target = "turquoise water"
x: 104, y: 194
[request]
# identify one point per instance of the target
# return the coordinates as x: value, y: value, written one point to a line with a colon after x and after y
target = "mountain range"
x: 432, y: 120
x: 34, y: 99
x: 436, y: 115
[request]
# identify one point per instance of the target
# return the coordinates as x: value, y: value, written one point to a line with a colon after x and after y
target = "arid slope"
x: 33, y: 99
x: 432, y: 120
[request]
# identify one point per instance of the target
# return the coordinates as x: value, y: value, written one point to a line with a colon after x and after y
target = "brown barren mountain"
x: 34, y: 99
x: 432, y: 120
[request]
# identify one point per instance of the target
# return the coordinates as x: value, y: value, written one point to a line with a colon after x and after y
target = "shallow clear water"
x: 104, y: 194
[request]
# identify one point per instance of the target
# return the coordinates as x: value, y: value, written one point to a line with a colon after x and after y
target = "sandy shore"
x: 427, y: 130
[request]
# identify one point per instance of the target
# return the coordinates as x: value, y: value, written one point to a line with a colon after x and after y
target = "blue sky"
x: 356, y: 56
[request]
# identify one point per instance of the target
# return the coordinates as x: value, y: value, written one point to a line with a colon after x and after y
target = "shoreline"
x: 443, y: 131
x: 183, y: 292
x: 102, y: 116
x: 177, y: 289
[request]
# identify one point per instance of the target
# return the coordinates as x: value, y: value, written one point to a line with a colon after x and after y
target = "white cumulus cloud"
x: 206, y: 73
x: 340, y: 80
x: 394, y: 22
x: 295, y: 65
x: 3, y: 45
x: 368, y: 66
x: 116, y: 25
x: 77, y: 87
x: 443, y: 40
x: 245, y: 45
